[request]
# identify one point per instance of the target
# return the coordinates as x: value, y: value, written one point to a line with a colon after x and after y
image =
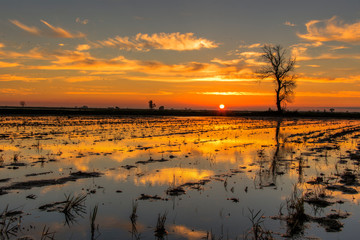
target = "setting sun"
x: 221, y: 106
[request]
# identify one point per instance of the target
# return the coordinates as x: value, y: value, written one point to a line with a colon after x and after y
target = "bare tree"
x: 279, y: 67
x: 22, y: 103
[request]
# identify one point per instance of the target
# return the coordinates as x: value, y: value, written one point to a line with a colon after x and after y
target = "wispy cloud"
x: 131, y: 69
x: 2, y: 45
x: 17, y: 91
x: 165, y: 41
x: 32, y: 30
x: 236, y: 93
x: 83, y: 47
x: 34, y: 53
x: 11, y: 77
x: 250, y: 46
x: 82, y: 21
x: 8, y: 65
x: 83, y: 79
x: 160, y: 93
x: 51, y: 30
x: 332, y: 29
x: 334, y: 94
x: 287, y: 23
x: 333, y: 48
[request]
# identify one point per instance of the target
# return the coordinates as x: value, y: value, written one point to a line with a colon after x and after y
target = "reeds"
x: 257, y: 231
x: 296, y: 213
x: 9, y: 224
x: 160, y: 230
x: 93, y: 227
x: 133, y: 219
x: 73, y: 206
x: 133, y: 216
x: 46, y: 234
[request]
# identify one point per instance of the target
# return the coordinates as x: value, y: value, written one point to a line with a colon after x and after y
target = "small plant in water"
x: 133, y: 218
x: 160, y: 230
x: 73, y: 205
x: 257, y: 231
x: 46, y: 234
x: 94, y: 227
x: 9, y: 223
x: 16, y: 157
x: 296, y: 213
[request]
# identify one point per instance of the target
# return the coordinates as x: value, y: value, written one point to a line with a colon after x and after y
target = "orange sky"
x: 122, y: 55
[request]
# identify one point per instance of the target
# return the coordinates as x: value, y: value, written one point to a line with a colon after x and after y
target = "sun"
x: 221, y: 106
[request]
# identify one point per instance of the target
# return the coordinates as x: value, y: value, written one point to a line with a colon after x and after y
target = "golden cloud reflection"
x: 176, y: 175
x: 187, y: 233
x: 165, y: 176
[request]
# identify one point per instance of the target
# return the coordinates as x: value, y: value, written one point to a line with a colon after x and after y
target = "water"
x: 227, y: 167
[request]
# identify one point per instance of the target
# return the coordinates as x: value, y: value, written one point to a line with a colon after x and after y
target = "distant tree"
x: 279, y: 67
x: 22, y: 103
x: 152, y: 105
x: 161, y: 108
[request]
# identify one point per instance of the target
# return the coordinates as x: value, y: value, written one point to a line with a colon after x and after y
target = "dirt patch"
x: 175, y: 191
x: 4, y: 180
x: 343, y: 189
x: 37, y: 174
x: 47, y: 182
x: 152, y: 161
x: 150, y: 197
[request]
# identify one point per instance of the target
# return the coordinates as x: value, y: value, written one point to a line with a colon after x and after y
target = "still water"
x: 206, y: 177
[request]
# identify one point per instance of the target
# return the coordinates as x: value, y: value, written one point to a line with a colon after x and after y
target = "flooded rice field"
x: 178, y: 178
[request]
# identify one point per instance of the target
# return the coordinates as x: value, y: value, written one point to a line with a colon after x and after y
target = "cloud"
x: 60, y: 32
x: 83, y: 79
x: 344, y: 79
x: 83, y: 47
x: 16, y: 91
x: 287, y: 23
x: 236, y: 93
x: 159, y: 93
x: 331, y: 29
x: 131, y: 69
x: 34, y: 53
x: 11, y: 77
x: 2, y: 45
x: 165, y: 41
x: 8, y: 65
x: 32, y: 30
x: 254, y: 45
x: 333, y: 48
x: 335, y: 94
x: 188, y: 233
x: 84, y: 21
x: 51, y: 31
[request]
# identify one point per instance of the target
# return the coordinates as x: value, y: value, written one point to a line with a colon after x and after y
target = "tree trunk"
x: 278, y: 103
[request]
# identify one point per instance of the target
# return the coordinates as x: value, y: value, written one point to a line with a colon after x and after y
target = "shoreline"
x: 64, y: 111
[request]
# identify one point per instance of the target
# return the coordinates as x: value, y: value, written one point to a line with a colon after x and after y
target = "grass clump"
x: 46, y: 234
x: 296, y: 213
x: 257, y: 231
x: 93, y: 226
x: 160, y: 230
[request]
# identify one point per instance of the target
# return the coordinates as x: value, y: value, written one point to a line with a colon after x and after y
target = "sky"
x: 178, y: 53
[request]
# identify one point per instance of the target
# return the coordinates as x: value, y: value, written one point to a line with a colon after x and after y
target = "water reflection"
x: 235, y: 162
